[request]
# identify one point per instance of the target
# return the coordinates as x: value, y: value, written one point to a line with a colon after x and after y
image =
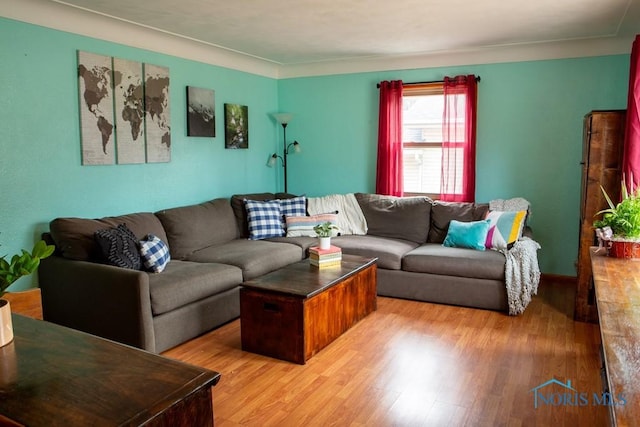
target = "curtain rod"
x: 424, y: 83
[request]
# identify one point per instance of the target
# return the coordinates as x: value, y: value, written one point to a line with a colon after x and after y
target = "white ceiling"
x: 294, y: 38
x: 310, y: 31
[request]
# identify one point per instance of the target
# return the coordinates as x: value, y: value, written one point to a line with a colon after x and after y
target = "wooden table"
x: 293, y: 313
x: 617, y: 285
x: 55, y: 376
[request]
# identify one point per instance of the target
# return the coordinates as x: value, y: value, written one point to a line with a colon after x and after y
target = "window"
x: 422, y: 112
x: 427, y: 139
x: 422, y: 140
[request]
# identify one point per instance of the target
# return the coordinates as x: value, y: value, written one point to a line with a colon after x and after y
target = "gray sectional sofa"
x: 211, y: 257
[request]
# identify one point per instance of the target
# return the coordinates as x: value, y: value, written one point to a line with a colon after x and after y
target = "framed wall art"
x: 236, y: 126
x: 201, y: 118
x: 124, y: 111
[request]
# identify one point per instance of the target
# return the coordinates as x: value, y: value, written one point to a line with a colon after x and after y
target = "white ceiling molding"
x: 493, y: 55
x: 77, y: 21
x: 72, y: 19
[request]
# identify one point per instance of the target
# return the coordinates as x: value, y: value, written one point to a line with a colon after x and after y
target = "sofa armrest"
x: 103, y: 300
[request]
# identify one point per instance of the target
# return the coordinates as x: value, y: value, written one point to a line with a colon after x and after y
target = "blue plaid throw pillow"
x: 296, y: 206
x: 154, y: 253
x: 264, y: 219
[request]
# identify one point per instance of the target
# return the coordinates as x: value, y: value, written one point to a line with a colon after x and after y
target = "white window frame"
x: 423, y: 89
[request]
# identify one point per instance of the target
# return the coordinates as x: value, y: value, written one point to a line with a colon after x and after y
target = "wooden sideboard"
x: 55, y: 376
x: 617, y: 286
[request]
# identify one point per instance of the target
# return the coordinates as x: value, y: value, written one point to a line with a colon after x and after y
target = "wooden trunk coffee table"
x: 293, y: 313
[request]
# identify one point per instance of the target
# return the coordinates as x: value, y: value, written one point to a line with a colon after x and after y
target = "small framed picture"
x: 236, y: 126
x: 201, y: 117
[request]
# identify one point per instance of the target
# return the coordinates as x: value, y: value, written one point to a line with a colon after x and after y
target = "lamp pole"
x: 284, y: 154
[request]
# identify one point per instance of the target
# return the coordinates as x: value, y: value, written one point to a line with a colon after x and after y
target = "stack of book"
x: 322, y: 258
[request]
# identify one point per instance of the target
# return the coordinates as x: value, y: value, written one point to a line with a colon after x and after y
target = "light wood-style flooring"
x: 415, y: 364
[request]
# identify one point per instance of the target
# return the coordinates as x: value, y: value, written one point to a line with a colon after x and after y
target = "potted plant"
x: 324, y: 232
x: 620, y: 223
x: 20, y: 265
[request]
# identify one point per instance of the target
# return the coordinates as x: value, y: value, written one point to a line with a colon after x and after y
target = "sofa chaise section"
x: 153, y: 311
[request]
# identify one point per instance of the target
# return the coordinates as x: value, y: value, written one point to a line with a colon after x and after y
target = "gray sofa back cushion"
x: 443, y: 212
x: 404, y: 218
x: 194, y: 227
x: 74, y: 239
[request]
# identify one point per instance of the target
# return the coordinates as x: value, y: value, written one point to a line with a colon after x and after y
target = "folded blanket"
x: 509, y: 205
x: 350, y: 219
x: 522, y: 274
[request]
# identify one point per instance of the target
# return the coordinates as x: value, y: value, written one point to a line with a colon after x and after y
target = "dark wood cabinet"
x: 602, y: 150
x: 51, y: 376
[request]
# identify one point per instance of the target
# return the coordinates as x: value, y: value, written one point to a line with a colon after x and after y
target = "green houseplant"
x: 324, y: 232
x: 623, y: 219
x: 18, y: 266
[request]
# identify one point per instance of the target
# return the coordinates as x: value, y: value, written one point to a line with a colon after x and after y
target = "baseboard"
x: 559, y: 279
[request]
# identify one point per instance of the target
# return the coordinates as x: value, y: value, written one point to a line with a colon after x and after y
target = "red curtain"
x: 389, y: 170
x: 631, y: 159
x: 459, y: 139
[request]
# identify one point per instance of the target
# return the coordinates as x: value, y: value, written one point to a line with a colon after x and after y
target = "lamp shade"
x: 272, y: 160
x: 283, y: 118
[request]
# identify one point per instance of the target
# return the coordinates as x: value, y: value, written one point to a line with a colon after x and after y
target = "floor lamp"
x: 284, y: 119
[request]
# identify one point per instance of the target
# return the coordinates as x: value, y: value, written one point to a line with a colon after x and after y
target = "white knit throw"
x: 509, y: 205
x: 350, y: 218
x: 522, y: 274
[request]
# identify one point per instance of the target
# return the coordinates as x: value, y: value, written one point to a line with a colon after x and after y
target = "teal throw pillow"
x: 471, y: 235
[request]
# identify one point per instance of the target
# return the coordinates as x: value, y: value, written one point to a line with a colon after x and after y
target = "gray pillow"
x: 405, y: 218
x: 443, y: 212
x: 74, y: 237
x: 195, y: 227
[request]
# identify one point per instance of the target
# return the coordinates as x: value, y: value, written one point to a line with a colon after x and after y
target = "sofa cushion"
x: 265, y: 219
x: 193, y: 227
x: 298, y: 226
x: 388, y: 251
x: 443, y: 212
x: 470, y: 235
x: 504, y: 229
x: 254, y: 257
x: 119, y: 247
x: 293, y: 206
x: 185, y: 282
x: 74, y: 237
x: 437, y: 259
x: 405, y: 218
x: 240, y: 212
x: 304, y: 242
x: 154, y: 253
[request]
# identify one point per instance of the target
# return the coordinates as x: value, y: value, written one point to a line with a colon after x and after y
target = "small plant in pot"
x: 619, y: 227
x: 20, y: 265
x: 324, y: 232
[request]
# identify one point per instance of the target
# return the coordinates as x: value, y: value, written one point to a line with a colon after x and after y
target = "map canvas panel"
x: 96, y: 109
x: 129, y: 108
x: 200, y: 112
x: 157, y: 117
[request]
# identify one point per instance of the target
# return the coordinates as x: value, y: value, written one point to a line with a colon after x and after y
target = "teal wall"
x: 41, y: 176
x: 529, y: 135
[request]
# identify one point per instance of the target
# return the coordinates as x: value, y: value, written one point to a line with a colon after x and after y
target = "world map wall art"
x: 124, y: 111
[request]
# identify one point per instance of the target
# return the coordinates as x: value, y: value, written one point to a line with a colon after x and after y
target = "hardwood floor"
x: 415, y: 364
